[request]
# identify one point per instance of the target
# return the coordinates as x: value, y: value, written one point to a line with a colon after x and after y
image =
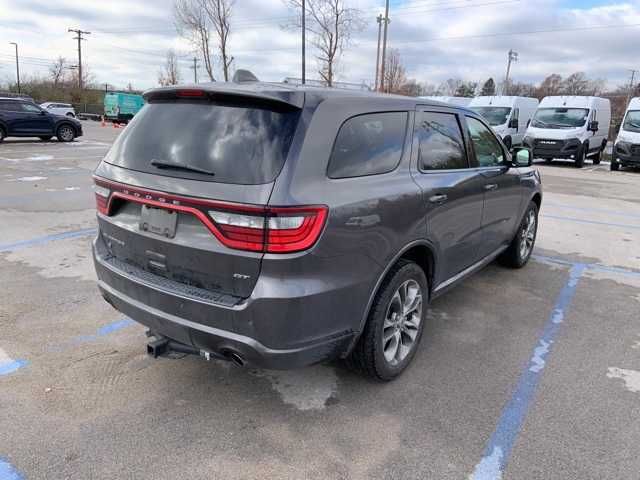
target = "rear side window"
x: 237, y: 143
x: 368, y: 145
x: 10, y: 106
x: 441, y: 142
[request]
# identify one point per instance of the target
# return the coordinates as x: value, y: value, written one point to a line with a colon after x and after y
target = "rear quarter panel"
x: 371, y: 218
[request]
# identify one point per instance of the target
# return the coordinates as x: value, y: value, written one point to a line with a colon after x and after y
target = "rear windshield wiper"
x: 180, y: 166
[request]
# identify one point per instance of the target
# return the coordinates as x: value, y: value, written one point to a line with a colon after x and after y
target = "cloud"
x: 436, y: 39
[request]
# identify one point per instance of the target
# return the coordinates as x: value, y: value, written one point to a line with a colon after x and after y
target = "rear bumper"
x: 227, y: 324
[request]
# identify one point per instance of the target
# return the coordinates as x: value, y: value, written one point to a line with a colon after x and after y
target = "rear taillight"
x: 271, y: 229
x: 238, y: 226
x: 102, y: 198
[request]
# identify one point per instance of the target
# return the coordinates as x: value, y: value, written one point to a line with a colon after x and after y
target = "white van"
x: 571, y: 128
x: 508, y: 116
x: 457, y: 101
x: 626, y: 151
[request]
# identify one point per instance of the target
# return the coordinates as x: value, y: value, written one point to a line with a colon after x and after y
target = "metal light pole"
x: 633, y: 77
x: 17, y: 65
x: 513, y: 57
x: 379, y: 20
x: 384, y: 45
x: 304, y: 31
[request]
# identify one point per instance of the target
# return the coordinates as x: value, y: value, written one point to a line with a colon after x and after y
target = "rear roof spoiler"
x: 261, y: 93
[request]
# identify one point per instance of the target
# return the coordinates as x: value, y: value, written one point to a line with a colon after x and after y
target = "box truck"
x: 121, y: 107
x: 570, y: 127
x: 626, y: 151
x: 508, y: 116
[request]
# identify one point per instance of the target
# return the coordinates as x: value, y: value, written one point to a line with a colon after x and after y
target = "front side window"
x: 488, y: 150
x: 441, y: 142
x: 368, y: 145
x: 27, y: 107
x: 632, y: 121
x: 560, y: 117
x: 494, y: 115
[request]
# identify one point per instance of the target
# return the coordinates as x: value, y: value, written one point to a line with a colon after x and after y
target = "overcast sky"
x: 437, y: 39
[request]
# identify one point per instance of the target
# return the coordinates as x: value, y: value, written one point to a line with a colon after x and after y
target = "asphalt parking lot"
x: 529, y: 374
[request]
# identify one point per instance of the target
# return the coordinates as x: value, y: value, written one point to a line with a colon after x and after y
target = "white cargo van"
x: 508, y: 116
x: 458, y: 101
x: 571, y: 128
x: 626, y: 151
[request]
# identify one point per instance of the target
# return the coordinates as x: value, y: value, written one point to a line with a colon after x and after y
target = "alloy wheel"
x: 528, y: 234
x: 65, y: 133
x: 402, y: 322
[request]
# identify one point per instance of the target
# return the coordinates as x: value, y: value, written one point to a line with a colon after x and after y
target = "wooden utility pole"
x: 79, y: 38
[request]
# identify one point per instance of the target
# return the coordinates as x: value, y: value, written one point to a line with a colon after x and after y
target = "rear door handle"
x: 438, y: 199
x: 491, y: 186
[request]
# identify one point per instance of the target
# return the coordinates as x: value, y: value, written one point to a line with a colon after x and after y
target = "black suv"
x: 23, y: 118
x: 281, y: 226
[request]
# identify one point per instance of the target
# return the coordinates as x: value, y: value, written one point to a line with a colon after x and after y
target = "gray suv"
x: 282, y: 226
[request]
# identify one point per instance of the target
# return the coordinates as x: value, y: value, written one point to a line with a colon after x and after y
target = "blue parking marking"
x: 498, y: 450
x: 8, y: 471
x: 11, y: 247
x: 105, y: 330
x: 591, y: 222
x: 11, y: 366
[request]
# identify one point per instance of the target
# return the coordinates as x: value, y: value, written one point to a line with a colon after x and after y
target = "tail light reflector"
x: 239, y: 226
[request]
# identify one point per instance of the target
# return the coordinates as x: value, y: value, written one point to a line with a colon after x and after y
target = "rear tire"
x: 3, y: 134
x: 521, y: 247
x: 395, y: 324
x: 597, y: 158
x: 66, y: 133
x: 615, y: 166
x: 508, y: 143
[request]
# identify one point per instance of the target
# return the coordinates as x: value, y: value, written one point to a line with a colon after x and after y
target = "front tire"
x: 65, y: 133
x: 615, y: 166
x: 395, y: 324
x: 581, y: 155
x: 521, y: 247
x: 3, y: 134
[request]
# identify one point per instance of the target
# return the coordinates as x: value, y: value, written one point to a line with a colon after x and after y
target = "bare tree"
x: 57, y: 71
x: 449, y: 87
x: 332, y: 25
x: 552, y: 85
x: 193, y: 23
x: 170, y: 73
x: 219, y: 13
x: 394, y: 72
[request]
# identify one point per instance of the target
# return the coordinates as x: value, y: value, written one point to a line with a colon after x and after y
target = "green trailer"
x: 121, y: 107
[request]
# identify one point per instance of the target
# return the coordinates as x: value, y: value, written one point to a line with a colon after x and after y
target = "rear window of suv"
x: 368, y: 145
x: 239, y: 144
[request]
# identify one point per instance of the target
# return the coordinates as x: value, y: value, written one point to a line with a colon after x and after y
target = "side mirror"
x: 513, y: 123
x: 593, y: 126
x: 43, y: 112
x: 521, y: 157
